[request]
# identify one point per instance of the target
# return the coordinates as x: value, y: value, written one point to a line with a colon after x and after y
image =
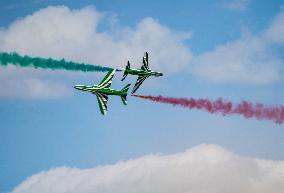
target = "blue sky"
x: 43, y: 131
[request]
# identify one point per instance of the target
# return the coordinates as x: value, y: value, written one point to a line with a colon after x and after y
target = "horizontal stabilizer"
x: 123, y: 96
x: 126, y: 88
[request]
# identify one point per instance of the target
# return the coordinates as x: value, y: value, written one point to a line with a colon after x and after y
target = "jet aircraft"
x: 142, y: 73
x: 103, y: 90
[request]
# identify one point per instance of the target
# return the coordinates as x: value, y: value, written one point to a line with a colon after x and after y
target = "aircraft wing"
x: 145, y: 65
x: 107, y: 80
x: 138, y: 83
x: 102, y: 100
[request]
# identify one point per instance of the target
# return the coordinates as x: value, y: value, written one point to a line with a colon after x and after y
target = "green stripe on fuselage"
x: 141, y: 72
x: 107, y: 91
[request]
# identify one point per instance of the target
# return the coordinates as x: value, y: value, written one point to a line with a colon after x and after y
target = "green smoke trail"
x: 27, y: 61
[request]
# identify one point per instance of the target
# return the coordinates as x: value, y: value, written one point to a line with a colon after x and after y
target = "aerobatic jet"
x: 142, y: 73
x: 103, y: 90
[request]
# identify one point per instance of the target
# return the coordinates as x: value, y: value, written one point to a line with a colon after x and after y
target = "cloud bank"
x: 78, y: 35
x: 90, y: 36
x: 202, y: 169
x: 274, y: 34
x: 30, y: 84
x: 248, y: 60
x: 251, y: 59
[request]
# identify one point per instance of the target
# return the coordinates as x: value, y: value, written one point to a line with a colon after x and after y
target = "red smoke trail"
x: 247, y: 109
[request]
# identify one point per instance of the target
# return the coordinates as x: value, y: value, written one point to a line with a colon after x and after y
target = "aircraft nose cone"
x: 78, y: 87
x: 159, y: 74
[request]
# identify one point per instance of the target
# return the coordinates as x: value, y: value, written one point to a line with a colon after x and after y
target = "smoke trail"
x: 26, y: 61
x: 246, y: 109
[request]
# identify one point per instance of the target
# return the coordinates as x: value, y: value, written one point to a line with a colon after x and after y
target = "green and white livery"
x: 142, y: 73
x: 103, y: 90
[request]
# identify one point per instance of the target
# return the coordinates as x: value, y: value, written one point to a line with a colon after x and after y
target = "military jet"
x: 103, y: 90
x: 142, y: 73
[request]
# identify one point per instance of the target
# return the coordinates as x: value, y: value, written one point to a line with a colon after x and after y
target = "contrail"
x: 244, y: 108
x: 27, y: 61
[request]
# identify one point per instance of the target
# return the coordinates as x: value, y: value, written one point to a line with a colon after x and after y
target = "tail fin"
x: 123, y: 96
x: 125, y: 71
x: 128, y: 65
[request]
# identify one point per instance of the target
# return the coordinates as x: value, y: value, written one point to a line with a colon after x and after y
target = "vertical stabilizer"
x: 125, y: 71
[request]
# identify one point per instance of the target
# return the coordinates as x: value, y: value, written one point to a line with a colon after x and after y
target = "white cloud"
x: 28, y: 84
x: 77, y: 35
x: 247, y: 60
x: 236, y: 5
x: 32, y: 88
x: 202, y: 169
x: 59, y: 32
x: 250, y: 59
x: 274, y: 34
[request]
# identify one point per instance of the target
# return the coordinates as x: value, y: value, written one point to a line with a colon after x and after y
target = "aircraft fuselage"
x: 143, y: 72
x: 95, y: 89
